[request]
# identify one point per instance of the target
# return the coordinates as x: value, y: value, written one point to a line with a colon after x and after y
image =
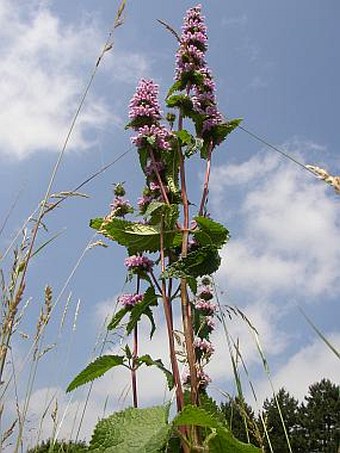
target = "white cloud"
x: 308, y: 365
x: 290, y: 226
x: 45, y: 66
x: 255, y: 326
x: 235, y: 21
x: 105, y: 310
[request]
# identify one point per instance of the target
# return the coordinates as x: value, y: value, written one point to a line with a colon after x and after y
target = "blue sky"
x: 276, y: 65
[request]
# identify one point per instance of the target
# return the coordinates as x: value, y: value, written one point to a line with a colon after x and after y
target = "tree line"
x: 312, y: 426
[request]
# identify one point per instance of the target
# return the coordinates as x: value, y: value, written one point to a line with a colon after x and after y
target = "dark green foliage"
x: 209, y: 405
x: 117, y: 317
x: 218, y: 134
x: 143, y: 308
x: 181, y: 101
x: 96, y: 369
x: 290, y: 412
x: 132, y: 431
x: 158, y: 212
x: 59, y: 447
x: 240, y: 419
x: 321, y: 417
x: 188, y: 142
x: 194, y: 78
x: 205, y: 260
x: 210, y: 232
x: 218, y: 438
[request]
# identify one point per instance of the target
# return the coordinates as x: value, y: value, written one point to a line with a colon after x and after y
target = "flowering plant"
x: 187, y: 248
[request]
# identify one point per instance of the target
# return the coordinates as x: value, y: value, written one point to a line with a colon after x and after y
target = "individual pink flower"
x: 156, y: 136
x: 206, y: 306
x: 138, y: 262
x: 210, y: 322
x: 130, y: 300
x: 120, y: 207
x: 204, y: 346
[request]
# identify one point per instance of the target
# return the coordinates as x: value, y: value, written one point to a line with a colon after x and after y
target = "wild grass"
x: 20, y: 253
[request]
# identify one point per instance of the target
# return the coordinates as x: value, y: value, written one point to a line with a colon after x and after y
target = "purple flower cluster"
x: 208, y: 308
x: 190, y: 55
x: 205, y: 310
x: 190, y: 60
x: 206, y: 293
x: 144, y: 104
x: 153, y: 167
x: 210, y: 322
x: 155, y: 135
x: 204, y: 101
x: 138, y: 263
x: 145, y: 114
x: 120, y: 207
x: 202, y: 377
x: 152, y: 136
x: 151, y: 193
x: 130, y: 300
x: 204, y: 345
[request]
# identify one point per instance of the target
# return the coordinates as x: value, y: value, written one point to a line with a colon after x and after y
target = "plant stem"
x: 206, y: 180
x: 134, y: 358
x: 170, y: 328
x: 134, y: 370
x: 158, y: 176
x: 186, y: 309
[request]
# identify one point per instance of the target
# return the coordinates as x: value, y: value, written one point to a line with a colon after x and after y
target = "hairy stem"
x: 158, y: 176
x: 134, y: 370
x: 186, y: 309
x: 134, y: 358
x: 206, y: 181
x: 170, y: 328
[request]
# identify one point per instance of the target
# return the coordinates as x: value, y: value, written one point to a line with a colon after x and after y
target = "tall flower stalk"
x: 186, y: 247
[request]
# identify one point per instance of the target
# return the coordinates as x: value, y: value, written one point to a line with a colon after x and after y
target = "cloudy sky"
x: 276, y: 65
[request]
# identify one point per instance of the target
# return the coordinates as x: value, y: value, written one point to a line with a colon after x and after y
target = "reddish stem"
x: 186, y: 309
x: 134, y: 369
x: 134, y: 358
x: 206, y: 180
x: 158, y: 176
x: 169, y: 325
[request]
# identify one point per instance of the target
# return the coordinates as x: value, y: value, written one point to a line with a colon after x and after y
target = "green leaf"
x: 132, y: 431
x: 171, y: 159
x: 117, y: 317
x: 192, y: 282
x: 195, y: 416
x: 203, y: 261
x: 210, y: 232
x: 181, y: 101
x: 148, y: 361
x: 209, y: 405
x: 158, y: 212
x: 225, y: 442
x: 143, y: 157
x: 184, y: 136
x: 219, y: 133
x: 177, y: 86
x: 221, y: 439
x: 192, y: 144
x: 143, y: 308
x: 136, y: 237
x: 96, y: 369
